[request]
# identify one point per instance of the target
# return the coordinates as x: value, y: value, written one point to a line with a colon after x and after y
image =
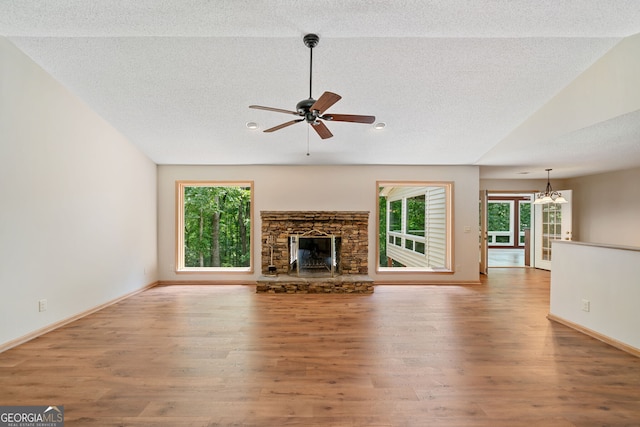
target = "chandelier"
x: 549, y: 196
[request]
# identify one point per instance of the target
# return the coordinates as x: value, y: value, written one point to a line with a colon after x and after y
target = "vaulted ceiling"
x: 504, y: 84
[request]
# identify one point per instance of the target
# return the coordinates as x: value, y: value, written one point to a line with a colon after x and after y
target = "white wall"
x: 77, y: 204
x: 606, y: 277
x: 340, y: 188
x: 607, y: 208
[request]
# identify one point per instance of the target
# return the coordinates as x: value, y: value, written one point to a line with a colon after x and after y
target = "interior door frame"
x: 484, y: 234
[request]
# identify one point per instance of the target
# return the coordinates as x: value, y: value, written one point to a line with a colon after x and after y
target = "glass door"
x: 553, y: 222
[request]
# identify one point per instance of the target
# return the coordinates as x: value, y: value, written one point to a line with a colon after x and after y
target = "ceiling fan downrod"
x: 311, y: 41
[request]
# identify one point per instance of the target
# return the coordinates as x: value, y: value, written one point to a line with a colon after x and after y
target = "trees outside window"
x: 215, y: 226
x: 525, y: 219
x: 500, y: 222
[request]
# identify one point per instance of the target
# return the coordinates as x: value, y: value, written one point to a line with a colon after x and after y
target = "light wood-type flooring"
x: 482, y: 355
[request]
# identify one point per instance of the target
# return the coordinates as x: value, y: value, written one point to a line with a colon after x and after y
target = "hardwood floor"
x: 481, y: 355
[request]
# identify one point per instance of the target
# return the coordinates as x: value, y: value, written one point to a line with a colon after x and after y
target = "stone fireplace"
x: 315, y: 252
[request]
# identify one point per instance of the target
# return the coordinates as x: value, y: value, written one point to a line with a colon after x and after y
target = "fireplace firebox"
x: 314, y: 256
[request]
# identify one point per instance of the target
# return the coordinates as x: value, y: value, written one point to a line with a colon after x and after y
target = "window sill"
x: 214, y: 270
x: 413, y: 270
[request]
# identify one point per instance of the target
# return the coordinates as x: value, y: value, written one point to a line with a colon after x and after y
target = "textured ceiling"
x: 451, y: 79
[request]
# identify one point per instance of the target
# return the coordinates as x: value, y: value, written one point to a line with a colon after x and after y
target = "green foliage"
x: 395, y: 215
x: 415, y: 215
x: 499, y: 216
x: 525, y: 216
x: 382, y: 230
x: 217, y: 226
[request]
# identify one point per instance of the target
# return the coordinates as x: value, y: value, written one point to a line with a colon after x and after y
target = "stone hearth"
x: 349, y: 284
x: 351, y: 227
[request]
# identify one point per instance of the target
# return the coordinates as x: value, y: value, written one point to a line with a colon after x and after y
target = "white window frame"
x: 492, y: 234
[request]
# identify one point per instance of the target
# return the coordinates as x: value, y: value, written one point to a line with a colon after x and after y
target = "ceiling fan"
x: 313, y: 111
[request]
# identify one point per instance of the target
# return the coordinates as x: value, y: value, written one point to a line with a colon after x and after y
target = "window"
x: 415, y: 217
x: 395, y: 215
x: 500, y: 222
x: 414, y: 226
x: 214, y: 226
x: 525, y: 219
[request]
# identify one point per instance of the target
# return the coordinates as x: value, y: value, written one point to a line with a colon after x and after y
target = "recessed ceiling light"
x: 252, y: 125
x: 379, y: 125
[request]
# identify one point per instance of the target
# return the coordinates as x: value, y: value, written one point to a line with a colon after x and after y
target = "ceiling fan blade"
x: 325, y: 101
x: 321, y: 129
x: 353, y: 118
x: 283, y: 125
x: 277, y: 110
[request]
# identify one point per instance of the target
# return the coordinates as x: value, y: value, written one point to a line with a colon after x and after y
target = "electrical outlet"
x: 42, y: 305
x: 586, y: 305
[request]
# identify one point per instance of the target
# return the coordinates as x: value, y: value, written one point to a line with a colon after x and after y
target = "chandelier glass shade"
x: 549, y: 196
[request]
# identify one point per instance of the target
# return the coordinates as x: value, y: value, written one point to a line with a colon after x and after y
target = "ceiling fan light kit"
x: 311, y: 110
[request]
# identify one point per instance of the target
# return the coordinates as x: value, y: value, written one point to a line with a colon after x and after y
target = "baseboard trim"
x: 377, y: 282
x: 597, y: 335
x: 53, y: 326
x: 206, y: 282
x: 426, y: 283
